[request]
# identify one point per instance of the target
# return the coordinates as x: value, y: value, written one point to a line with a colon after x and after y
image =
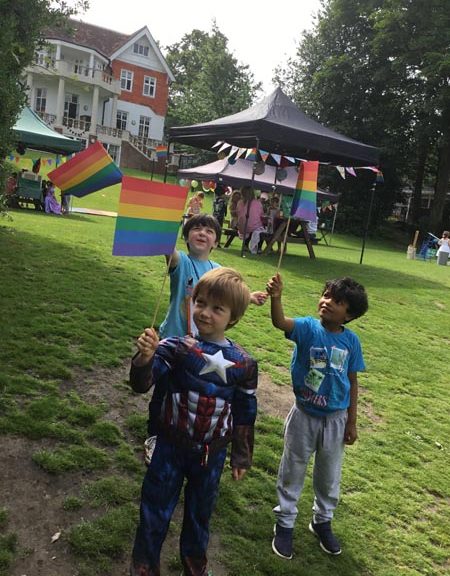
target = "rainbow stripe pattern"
x: 304, y: 201
x: 86, y: 172
x: 149, y: 217
x: 161, y: 152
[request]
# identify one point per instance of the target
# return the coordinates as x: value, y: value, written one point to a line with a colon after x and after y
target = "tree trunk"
x: 422, y: 155
x: 441, y: 189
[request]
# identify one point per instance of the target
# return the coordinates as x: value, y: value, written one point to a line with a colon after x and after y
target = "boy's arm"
x: 258, y: 298
x: 279, y: 320
x: 351, y: 434
x: 140, y: 372
x: 244, y: 407
x: 173, y: 258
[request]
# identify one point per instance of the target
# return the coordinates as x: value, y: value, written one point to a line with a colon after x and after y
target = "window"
x: 149, y: 86
x: 121, y: 120
x: 113, y: 151
x: 126, y: 80
x: 40, y: 100
x: 39, y: 58
x: 71, y: 106
x: 140, y: 49
x: 144, y: 126
x: 80, y: 68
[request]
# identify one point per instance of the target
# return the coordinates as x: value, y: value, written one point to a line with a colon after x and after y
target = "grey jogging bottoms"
x: 305, y: 435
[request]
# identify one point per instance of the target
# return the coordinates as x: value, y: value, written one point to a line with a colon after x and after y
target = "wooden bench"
x: 270, y: 239
x: 279, y: 235
x: 231, y: 234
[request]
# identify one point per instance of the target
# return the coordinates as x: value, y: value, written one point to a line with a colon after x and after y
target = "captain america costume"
x: 208, y: 400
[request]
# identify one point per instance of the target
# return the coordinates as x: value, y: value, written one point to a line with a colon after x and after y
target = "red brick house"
x: 95, y: 83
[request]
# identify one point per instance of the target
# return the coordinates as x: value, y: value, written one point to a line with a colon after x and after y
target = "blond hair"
x: 228, y: 287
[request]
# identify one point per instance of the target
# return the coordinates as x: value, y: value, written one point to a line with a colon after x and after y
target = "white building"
x: 94, y: 83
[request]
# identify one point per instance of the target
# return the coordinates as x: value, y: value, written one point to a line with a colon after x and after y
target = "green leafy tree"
x: 209, y: 81
x: 414, y: 36
x: 22, y: 26
x: 378, y: 71
x: 337, y: 79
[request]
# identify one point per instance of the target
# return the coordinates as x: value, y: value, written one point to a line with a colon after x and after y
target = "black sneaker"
x: 328, y: 541
x: 282, y: 542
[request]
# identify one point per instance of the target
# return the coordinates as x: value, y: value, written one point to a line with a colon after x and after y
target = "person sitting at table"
x: 274, y: 218
x: 235, y: 197
x: 10, y: 191
x: 52, y: 205
x: 254, y: 226
x: 273, y: 213
x: 196, y: 204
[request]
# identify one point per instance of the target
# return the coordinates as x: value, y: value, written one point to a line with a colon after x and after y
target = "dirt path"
x: 34, y: 499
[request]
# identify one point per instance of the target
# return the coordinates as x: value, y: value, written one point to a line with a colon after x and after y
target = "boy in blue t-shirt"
x: 201, y: 234
x: 324, y: 368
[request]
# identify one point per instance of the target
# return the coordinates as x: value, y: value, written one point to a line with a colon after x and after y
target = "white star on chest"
x: 216, y: 363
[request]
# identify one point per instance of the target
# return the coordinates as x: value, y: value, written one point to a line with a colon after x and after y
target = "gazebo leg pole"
x: 334, y: 222
x: 369, y: 214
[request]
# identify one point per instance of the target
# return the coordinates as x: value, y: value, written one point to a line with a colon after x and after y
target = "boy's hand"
x: 275, y: 286
x: 350, y: 434
x: 238, y: 473
x: 258, y: 298
x: 146, y: 344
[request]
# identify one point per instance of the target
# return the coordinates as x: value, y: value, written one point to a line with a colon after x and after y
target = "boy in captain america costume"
x: 208, y: 387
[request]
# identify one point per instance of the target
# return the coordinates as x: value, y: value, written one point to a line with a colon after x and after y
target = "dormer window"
x: 140, y: 49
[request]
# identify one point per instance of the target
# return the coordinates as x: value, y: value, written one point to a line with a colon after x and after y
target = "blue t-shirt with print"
x: 183, y: 278
x: 320, y: 365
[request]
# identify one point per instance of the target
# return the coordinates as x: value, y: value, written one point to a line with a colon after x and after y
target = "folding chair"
x: 324, y: 227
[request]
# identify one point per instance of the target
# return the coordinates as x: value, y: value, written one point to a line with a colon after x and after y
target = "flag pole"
x: 158, y: 302
x: 283, y: 244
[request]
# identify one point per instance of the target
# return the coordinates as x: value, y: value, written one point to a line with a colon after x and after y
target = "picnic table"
x: 277, y: 236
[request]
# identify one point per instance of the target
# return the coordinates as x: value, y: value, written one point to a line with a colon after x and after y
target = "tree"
x: 377, y: 70
x: 22, y: 27
x: 209, y: 81
x: 337, y: 79
x: 414, y: 36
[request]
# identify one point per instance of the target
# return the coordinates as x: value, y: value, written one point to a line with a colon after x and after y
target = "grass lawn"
x: 70, y: 315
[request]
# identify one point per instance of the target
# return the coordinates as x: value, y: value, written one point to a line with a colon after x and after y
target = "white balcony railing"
x: 75, y: 71
x: 82, y: 129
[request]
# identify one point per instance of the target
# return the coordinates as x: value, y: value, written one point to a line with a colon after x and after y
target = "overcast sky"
x: 262, y: 35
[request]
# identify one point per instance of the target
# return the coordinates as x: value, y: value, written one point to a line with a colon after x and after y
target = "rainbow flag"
x: 304, y: 201
x: 161, y: 152
x: 149, y: 217
x: 86, y: 172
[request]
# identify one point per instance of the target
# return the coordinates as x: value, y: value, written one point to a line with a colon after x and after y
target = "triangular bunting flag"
x: 341, y: 171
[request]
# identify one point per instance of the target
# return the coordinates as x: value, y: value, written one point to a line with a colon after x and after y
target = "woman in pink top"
x: 255, y: 218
